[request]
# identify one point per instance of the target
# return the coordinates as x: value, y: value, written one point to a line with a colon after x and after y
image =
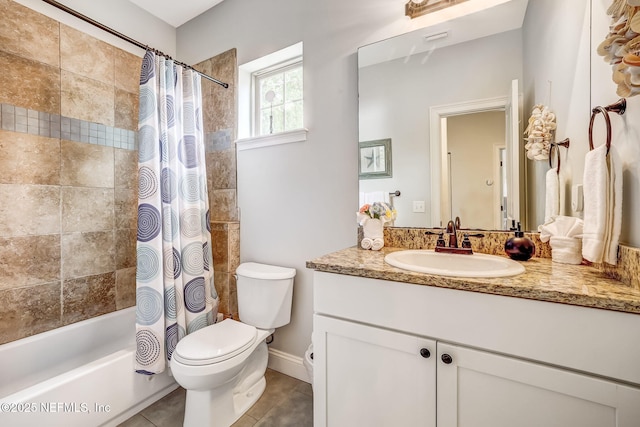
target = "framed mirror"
x: 435, y: 91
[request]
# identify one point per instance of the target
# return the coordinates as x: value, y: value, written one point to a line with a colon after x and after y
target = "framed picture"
x: 374, y: 159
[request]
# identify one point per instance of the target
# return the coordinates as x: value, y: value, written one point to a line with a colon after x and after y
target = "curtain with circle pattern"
x: 175, y: 293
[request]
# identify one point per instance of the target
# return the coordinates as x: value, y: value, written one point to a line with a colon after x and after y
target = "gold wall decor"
x: 414, y: 8
x: 621, y: 47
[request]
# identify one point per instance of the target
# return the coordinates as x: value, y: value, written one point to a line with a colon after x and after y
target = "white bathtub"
x: 78, y: 375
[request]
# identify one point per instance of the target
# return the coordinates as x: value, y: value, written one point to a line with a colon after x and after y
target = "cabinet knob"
x: 446, y: 358
x: 425, y: 353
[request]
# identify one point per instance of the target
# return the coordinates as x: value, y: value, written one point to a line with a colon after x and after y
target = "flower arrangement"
x: 540, y: 131
x: 377, y: 210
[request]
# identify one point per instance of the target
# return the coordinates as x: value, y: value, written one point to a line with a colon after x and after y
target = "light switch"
x: 418, y: 206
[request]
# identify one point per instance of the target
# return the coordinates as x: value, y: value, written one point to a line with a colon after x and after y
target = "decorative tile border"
x: 23, y: 120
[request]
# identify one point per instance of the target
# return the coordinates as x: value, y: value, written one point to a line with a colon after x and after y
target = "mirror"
x: 452, y: 99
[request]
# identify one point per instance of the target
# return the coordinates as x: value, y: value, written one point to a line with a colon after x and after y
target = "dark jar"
x: 520, y: 247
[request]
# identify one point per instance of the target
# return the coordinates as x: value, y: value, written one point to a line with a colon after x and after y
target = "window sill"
x: 298, y: 135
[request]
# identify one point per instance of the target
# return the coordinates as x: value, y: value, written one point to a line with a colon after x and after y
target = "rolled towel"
x: 378, y: 243
x: 566, y: 250
x: 366, y: 243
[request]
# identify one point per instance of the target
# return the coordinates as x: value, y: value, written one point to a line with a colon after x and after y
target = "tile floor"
x: 286, y: 402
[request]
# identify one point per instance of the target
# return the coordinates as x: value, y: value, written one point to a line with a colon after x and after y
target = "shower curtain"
x: 175, y: 293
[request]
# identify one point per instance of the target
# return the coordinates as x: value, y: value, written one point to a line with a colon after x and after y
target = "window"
x: 270, y: 99
x: 278, y: 98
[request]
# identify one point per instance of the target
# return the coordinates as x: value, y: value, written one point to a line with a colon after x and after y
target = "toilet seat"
x: 215, y: 343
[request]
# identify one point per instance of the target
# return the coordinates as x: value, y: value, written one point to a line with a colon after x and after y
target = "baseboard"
x: 288, y: 364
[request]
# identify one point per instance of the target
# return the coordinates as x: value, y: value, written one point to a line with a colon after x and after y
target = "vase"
x: 373, y: 234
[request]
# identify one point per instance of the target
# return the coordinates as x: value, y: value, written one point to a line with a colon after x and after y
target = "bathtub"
x: 78, y: 375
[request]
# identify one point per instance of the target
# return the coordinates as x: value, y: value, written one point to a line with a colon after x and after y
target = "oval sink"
x: 444, y: 264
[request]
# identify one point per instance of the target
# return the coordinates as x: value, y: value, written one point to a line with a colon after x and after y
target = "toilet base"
x: 222, y: 406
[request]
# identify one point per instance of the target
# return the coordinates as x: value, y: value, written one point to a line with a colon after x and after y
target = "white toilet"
x: 222, y: 366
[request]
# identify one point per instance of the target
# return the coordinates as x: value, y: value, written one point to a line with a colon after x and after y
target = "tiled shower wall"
x: 68, y: 182
x: 220, y: 118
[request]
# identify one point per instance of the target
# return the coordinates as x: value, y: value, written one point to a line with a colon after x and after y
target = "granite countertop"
x: 543, y: 280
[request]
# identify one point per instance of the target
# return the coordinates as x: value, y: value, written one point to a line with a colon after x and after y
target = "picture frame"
x: 374, y: 159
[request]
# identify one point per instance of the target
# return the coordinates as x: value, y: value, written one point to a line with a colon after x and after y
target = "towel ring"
x: 564, y: 143
x: 619, y: 108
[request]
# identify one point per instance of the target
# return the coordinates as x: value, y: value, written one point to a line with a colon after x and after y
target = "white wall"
x: 556, y: 73
x: 120, y: 15
x: 395, y: 98
x: 625, y: 129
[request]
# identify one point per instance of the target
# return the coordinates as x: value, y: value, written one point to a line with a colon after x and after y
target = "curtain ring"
x: 607, y: 120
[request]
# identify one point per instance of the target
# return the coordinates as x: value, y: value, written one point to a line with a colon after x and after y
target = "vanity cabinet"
x: 394, y: 354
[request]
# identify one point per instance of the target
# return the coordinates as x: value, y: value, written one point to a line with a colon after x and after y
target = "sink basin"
x: 444, y: 264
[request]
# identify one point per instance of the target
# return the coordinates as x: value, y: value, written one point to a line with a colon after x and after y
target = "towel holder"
x: 618, y: 107
x: 564, y: 143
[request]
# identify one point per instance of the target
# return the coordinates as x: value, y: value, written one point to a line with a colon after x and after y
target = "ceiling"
x: 175, y: 12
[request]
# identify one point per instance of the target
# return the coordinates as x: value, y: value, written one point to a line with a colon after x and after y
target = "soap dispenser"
x: 519, y: 247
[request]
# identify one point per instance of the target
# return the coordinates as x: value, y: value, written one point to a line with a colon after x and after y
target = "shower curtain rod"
x: 128, y: 39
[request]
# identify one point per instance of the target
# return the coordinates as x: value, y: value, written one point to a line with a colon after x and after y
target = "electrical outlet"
x: 418, y: 206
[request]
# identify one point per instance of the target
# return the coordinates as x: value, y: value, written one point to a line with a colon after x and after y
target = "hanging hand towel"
x: 552, y: 196
x: 615, y: 207
x: 596, y: 204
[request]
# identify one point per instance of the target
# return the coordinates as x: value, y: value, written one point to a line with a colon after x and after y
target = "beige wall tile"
x: 221, y: 282
x: 29, y: 34
x: 29, y: 210
x: 219, y: 110
x: 223, y: 205
x: 233, y: 297
x: 29, y: 260
x: 85, y: 55
x: 126, y: 110
x: 126, y: 168
x: 220, y: 247
x: 86, y: 254
x: 126, y: 208
x: 126, y: 248
x: 127, y: 75
x: 29, y: 159
x: 125, y: 288
x: 223, y: 169
x: 87, y: 209
x: 28, y: 311
x: 86, y: 165
x: 86, y: 99
x: 29, y: 84
x: 234, y: 247
x: 88, y: 297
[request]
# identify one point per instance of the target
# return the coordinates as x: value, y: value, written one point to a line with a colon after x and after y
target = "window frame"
x: 256, y: 77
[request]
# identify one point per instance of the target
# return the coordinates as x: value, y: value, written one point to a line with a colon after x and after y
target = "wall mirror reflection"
x: 453, y: 97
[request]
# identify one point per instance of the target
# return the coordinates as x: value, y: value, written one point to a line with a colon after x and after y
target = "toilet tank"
x: 265, y: 293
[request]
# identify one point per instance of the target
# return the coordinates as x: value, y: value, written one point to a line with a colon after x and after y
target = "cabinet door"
x: 482, y: 389
x: 367, y: 376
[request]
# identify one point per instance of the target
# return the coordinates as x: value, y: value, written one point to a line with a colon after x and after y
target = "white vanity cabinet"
x: 395, y: 354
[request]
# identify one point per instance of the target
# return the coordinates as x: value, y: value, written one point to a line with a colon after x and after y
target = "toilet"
x: 222, y: 366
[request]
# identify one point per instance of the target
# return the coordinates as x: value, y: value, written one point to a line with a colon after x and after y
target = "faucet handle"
x: 440, y: 242
x: 466, y: 243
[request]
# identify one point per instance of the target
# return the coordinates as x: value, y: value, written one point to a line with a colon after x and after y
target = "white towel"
x: 566, y: 250
x: 552, y: 195
x: 596, y: 204
x: 366, y: 243
x: 615, y: 208
x: 378, y: 243
x: 561, y: 226
x: 373, y: 196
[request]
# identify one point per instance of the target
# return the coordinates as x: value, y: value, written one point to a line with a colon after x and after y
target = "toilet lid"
x: 215, y: 343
